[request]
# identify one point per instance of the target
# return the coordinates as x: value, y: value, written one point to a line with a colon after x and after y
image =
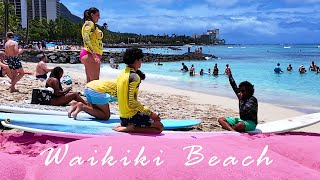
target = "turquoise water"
x: 253, y: 63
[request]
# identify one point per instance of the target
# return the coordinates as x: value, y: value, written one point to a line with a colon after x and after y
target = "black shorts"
x: 14, y: 63
x: 138, y: 120
x: 44, y: 76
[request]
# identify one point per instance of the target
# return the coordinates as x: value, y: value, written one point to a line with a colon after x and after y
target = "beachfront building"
x: 210, y: 37
x: 38, y: 9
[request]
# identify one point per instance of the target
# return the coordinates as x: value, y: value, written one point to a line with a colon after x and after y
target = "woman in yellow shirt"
x: 98, y: 93
x: 92, y: 36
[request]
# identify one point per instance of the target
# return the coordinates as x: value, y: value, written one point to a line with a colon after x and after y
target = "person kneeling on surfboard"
x: 134, y: 116
x: 98, y: 93
x: 248, y: 107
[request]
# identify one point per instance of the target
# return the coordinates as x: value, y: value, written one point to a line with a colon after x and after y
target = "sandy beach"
x: 169, y: 102
x: 21, y: 150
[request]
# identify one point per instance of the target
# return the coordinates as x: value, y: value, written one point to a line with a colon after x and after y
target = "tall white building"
x: 48, y: 9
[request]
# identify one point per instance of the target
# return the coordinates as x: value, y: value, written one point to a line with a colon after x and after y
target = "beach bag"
x: 41, y: 96
x: 66, y: 80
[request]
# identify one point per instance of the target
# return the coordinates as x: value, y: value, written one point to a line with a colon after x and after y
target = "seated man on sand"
x: 42, y: 69
x: 248, y: 109
x: 61, y: 97
x: 98, y: 93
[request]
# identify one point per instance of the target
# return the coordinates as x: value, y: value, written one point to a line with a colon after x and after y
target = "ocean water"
x: 253, y: 63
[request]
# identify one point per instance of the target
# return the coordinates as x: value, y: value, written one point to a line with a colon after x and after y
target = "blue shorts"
x: 138, y: 120
x: 95, y: 97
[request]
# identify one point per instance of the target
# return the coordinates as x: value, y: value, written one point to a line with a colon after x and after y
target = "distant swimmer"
x: 215, y: 70
x: 192, y: 70
x: 312, y: 67
x: 209, y: 71
x: 184, y: 68
x: 318, y: 70
x: 201, y: 72
x: 228, y: 70
x: 289, y: 68
x: 160, y: 64
x: 278, y: 69
x: 302, y: 69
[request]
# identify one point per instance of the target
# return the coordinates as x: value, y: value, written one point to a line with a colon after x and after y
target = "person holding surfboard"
x: 134, y: 116
x: 248, y: 108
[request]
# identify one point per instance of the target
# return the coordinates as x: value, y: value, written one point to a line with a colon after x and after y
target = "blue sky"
x: 239, y: 21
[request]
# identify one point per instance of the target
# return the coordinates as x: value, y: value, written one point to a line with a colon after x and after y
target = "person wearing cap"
x: 278, y: 69
x: 42, y: 69
x: 14, y: 63
x: 302, y: 69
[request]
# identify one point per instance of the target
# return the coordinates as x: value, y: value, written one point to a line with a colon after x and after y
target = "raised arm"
x: 233, y: 84
x: 133, y: 93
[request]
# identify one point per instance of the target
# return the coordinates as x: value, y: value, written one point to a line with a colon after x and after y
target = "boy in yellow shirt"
x: 134, y: 116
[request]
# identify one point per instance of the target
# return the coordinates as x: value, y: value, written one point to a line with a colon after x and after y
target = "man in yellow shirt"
x: 134, y: 116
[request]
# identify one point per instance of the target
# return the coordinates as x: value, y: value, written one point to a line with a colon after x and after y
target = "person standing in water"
x: 92, y: 36
x: 14, y: 63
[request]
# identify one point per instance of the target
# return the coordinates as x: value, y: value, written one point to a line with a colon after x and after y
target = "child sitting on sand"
x: 98, y: 93
x: 61, y: 96
x: 248, y: 108
x: 134, y: 116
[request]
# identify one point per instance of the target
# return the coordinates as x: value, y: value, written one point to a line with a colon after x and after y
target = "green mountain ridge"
x: 64, y: 12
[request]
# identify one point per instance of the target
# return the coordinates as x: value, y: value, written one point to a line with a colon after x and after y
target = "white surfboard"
x: 288, y: 124
x: 20, y: 110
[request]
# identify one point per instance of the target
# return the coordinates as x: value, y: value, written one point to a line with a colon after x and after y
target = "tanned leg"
x: 225, y: 125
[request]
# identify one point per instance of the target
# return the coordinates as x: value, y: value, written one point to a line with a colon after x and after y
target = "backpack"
x: 41, y: 96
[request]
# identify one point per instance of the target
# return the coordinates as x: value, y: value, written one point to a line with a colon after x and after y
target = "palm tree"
x: 28, y: 20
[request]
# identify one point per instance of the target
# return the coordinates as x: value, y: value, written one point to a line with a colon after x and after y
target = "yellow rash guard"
x: 92, y: 37
x: 128, y: 85
x: 104, y: 86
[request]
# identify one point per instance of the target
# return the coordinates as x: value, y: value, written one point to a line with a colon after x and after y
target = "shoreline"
x: 171, y: 103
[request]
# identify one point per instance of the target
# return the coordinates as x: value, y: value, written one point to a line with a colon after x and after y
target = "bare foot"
x: 72, y: 108
x: 79, y: 107
x: 14, y: 90
x: 129, y: 128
